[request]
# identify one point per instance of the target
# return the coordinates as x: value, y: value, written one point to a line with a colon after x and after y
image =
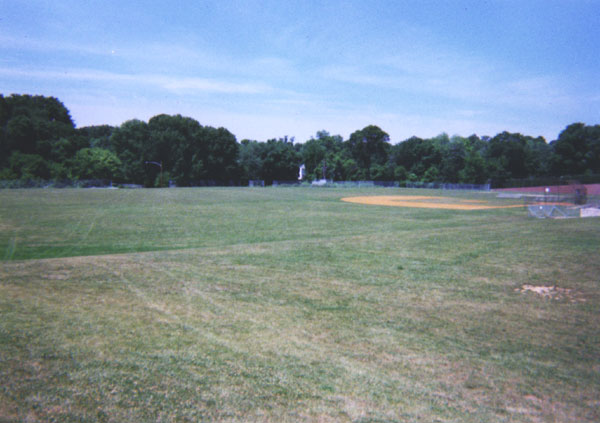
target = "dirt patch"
x: 419, y: 201
x: 552, y: 292
x: 56, y: 276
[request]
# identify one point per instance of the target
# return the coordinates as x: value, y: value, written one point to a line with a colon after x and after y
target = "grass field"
x: 287, y: 304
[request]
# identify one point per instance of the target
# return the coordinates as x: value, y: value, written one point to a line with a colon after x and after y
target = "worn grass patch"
x: 289, y: 305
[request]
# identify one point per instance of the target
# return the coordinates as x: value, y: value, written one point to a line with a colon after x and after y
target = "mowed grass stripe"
x: 55, y: 223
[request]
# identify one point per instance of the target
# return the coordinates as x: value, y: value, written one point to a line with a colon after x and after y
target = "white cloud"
x: 183, y: 85
x: 356, y: 75
x: 46, y: 46
x: 422, y: 90
x: 456, y: 78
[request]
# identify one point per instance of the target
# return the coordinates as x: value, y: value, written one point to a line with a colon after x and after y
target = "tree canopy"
x: 38, y: 140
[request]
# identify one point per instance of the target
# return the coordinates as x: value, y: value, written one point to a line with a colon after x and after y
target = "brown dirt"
x: 552, y: 292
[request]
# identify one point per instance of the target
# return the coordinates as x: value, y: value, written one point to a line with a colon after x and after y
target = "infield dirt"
x: 419, y: 201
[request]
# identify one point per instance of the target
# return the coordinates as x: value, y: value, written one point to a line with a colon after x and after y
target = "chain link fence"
x: 563, y: 201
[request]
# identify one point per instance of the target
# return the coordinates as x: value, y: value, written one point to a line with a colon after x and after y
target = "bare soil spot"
x: 57, y: 276
x: 553, y: 292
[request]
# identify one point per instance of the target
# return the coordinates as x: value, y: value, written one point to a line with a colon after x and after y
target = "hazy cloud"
x: 171, y: 83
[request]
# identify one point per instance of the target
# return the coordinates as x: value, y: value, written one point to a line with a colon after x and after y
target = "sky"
x: 269, y: 69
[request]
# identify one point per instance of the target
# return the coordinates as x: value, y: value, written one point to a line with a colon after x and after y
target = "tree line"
x: 38, y: 140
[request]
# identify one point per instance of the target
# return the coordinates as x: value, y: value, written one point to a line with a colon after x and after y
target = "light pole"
x: 159, y: 164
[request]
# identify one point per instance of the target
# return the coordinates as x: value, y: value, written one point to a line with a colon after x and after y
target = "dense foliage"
x: 38, y: 140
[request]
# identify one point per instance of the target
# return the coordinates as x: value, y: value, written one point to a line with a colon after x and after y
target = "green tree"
x: 369, y: 146
x: 352, y: 172
x: 400, y: 174
x: 21, y: 135
x: 432, y: 174
x: 188, y: 151
x: 176, y: 142
x: 97, y: 163
x: 30, y: 124
x: 130, y: 144
x: 27, y: 166
x: 323, y: 151
x: 576, y: 151
x: 314, y: 154
x: 417, y: 155
x: 453, y: 159
x: 250, y: 160
x: 474, y: 170
x: 97, y: 136
x: 280, y: 161
x: 539, y: 157
x: 506, y: 153
x: 222, y: 152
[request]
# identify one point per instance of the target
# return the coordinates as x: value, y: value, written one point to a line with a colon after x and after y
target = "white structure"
x: 590, y: 212
x: 301, y: 172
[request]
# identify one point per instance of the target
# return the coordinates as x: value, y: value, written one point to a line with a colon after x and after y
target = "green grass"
x: 290, y: 305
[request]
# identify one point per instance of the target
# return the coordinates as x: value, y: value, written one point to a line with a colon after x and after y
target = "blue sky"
x: 265, y: 69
